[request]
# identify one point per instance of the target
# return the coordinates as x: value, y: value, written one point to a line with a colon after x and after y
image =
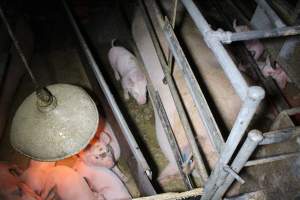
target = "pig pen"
x: 56, y: 59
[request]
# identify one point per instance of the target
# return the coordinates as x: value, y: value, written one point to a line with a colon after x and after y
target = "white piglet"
x: 67, y: 184
x: 104, y: 152
x: 255, y: 47
x: 103, y: 181
x: 36, y: 174
x: 125, y: 67
x: 11, y: 187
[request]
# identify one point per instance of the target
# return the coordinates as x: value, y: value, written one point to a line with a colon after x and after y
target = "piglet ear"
x: 15, y: 170
x: 105, y: 138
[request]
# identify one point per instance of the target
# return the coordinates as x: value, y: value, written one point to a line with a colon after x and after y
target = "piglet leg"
x: 117, y: 75
x: 126, y: 94
x: 120, y: 174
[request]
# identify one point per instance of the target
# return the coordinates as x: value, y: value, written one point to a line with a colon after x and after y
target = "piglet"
x: 254, y: 46
x: 125, y: 66
x: 104, y: 151
x: 36, y: 175
x: 277, y: 73
x: 66, y: 184
x: 103, y: 181
x: 11, y: 187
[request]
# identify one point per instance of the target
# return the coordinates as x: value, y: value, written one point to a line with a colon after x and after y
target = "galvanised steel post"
x: 253, y: 138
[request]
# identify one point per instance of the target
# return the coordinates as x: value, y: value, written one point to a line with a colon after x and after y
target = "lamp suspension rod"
x: 18, y: 48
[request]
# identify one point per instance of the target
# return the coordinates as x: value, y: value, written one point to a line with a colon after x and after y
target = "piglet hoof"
x: 117, y: 76
x: 126, y: 95
x: 170, y: 172
x: 98, y: 196
x: 120, y: 174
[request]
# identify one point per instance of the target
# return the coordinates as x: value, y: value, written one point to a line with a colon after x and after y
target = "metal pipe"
x: 111, y: 100
x: 270, y: 13
x: 253, y: 138
x: 279, y: 136
x: 180, y: 109
x: 254, y: 97
x: 194, y: 88
x: 229, y: 37
x: 230, y: 69
x: 171, y: 138
x: 159, y: 108
x: 261, y: 161
x: 19, y: 49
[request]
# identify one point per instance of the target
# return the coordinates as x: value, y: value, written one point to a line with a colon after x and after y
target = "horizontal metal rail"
x: 270, y: 159
x: 275, y: 19
x: 279, y: 136
x: 179, y: 106
x: 228, y: 37
x: 111, y: 100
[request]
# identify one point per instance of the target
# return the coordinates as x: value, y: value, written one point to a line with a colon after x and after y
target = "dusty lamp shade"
x: 57, y: 129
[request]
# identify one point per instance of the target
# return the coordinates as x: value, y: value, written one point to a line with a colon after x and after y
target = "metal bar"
x: 230, y: 69
x: 251, y: 35
x: 279, y: 136
x: 170, y: 55
x: 180, y: 109
x: 171, y: 138
x: 272, y: 93
x: 271, y: 13
x: 253, y: 138
x: 19, y: 49
x: 234, y: 174
x: 254, y: 97
x: 111, y: 100
x: 261, y: 161
x: 292, y: 111
x: 194, y: 88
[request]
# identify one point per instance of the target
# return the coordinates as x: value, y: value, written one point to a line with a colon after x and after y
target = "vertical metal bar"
x: 170, y: 56
x: 19, y: 49
x: 254, y: 97
x: 230, y: 69
x: 180, y: 109
x: 159, y: 108
x: 271, y: 13
x: 176, y: 151
x: 111, y: 100
x: 253, y: 138
x: 194, y: 88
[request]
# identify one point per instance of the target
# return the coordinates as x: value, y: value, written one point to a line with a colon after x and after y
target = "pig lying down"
x: 104, y: 151
x: 126, y: 67
x: 103, y: 181
x: 66, y: 184
x: 11, y: 187
x: 35, y: 176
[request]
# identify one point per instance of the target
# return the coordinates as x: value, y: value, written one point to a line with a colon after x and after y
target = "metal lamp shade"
x: 58, y: 133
